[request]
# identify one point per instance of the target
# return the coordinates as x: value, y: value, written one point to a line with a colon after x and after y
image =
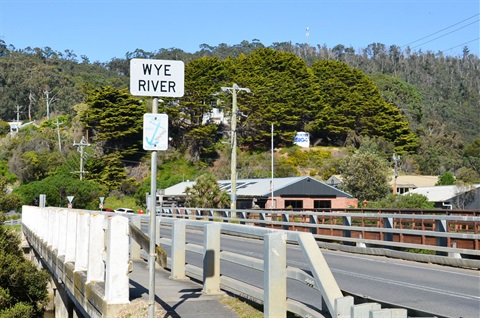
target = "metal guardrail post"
x: 211, y: 259
x: 313, y: 220
x: 242, y: 215
x: 262, y: 216
x: 441, y: 226
x: 347, y: 221
x: 286, y: 219
x: 388, y: 224
x: 178, y: 249
x: 275, y: 275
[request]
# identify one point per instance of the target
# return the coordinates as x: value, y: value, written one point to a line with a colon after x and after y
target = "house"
x: 408, y: 183
x: 404, y: 183
x: 465, y: 197
x: 293, y: 192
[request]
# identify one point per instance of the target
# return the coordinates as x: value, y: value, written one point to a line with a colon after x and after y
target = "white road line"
x: 409, y: 285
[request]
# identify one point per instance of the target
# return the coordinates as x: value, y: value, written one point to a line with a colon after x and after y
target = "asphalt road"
x: 440, y: 290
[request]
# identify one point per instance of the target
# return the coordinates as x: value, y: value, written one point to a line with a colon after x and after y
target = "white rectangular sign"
x: 155, y: 131
x: 157, y: 78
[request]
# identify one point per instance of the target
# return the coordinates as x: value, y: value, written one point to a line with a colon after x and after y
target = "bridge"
x: 89, y: 253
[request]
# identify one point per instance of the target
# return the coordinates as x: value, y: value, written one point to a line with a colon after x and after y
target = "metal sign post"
x: 156, y: 78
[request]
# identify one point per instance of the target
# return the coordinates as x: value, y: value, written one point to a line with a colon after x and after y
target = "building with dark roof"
x: 293, y: 192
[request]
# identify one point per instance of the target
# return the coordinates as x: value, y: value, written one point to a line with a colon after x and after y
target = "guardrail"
x: 447, y: 238
x: 88, y: 253
x: 273, y: 295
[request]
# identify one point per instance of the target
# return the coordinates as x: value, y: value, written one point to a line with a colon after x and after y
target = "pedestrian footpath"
x: 178, y: 298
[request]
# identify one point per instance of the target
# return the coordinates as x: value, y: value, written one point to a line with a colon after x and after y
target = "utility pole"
x: 80, y: 146
x: 233, y: 196
x: 395, y: 172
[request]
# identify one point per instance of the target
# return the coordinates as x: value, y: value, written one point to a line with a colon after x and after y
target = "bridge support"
x: 275, y: 275
x: 178, y: 249
x: 63, y: 304
x: 211, y: 259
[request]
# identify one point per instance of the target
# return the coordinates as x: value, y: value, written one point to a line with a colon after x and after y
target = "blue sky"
x: 105, y: 29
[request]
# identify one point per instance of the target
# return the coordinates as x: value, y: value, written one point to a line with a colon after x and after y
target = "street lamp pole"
x: 233, y: 196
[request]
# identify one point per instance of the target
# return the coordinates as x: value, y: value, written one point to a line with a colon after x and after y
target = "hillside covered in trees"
x: 423, y: 106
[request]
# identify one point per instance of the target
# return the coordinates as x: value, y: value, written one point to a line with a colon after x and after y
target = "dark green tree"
x: 281, y: 92
x: 57, y: 187
x: 114, y: 121
x: 191, y: 128
x: 350, y: 103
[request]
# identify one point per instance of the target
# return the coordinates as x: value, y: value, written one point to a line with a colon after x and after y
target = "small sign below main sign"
x: 157, y: 78
x: 155, y: 131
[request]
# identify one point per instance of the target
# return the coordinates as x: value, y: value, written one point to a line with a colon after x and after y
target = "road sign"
x: 157, y: 78
x: 155, y: 131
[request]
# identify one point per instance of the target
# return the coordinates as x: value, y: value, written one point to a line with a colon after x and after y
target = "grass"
x: 245, y: 308
x: 122, y: 202
x: 242, y: 308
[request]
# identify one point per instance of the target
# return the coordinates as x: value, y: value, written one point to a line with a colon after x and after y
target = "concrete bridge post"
x: 96, y: 243
x: 275, y: 275
x: 134, y: 246
x: 117, y: 261
x: 71, y: 241
x: 81, y: 253
x: 178, y: 249
x: 211, y: 259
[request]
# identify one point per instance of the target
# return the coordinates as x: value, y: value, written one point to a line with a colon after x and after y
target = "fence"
x: 449, y: 238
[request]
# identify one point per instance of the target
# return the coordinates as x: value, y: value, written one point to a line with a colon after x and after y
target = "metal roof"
x: 300, y: 186
x: 442, y: 193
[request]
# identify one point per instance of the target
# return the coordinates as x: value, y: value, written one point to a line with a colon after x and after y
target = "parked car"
x: 123, y: 210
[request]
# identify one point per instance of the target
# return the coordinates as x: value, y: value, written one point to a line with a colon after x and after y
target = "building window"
x: 322, y: 204
x: 294, y: 204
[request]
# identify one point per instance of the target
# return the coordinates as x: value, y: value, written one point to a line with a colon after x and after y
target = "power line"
x: 451, y: 26
x: 441, y: 36
x: 454, y: 47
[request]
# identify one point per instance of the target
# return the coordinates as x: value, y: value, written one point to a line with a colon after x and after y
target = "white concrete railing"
x: 87, y: 251
x: 273, y: 295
